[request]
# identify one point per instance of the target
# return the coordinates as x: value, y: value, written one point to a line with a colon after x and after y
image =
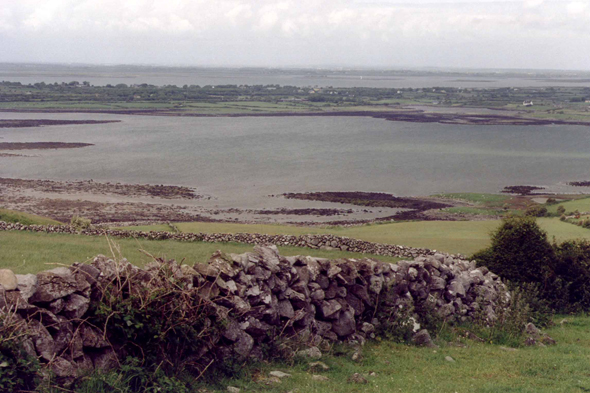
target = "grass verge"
x: 477, y: 367
x: 390, y: 367
x: 28, y: 252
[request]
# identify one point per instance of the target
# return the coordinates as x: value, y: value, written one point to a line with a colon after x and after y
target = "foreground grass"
x: 478, y: 367
x: 466, y: 237
x: 27, y: 252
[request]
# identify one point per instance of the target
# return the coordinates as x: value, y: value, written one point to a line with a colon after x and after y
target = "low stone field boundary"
x: 327, y: 241
x: 234, y: 307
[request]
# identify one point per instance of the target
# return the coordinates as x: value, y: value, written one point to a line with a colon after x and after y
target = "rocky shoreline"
x: 21, y: 123
x: 89, y: 186
x: 416, y: 206
x: 42, y: 145
x: 413, y: 116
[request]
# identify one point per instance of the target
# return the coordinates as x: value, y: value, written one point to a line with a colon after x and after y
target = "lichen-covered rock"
x: 422, y: 338
x: 44, y: 343
x: 75, y: 306
x: 27, y: 285
x: 8, y: 280
x: 63, y: 368
x: 54, y: 284
x: 92, y: 337
x: 345, y: 325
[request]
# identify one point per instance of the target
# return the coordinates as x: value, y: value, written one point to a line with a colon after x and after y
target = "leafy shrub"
x: 130, y: 378
x: 520, y: 252
x: 511, y: 318
x: 562, y: 218
x: 551, y: 201
x: 80, y: 223
x: 395, y: 316
x: 18, y: 370
x: 572, y: 276
x: 561, y: 209
x: 559, y: 274
x: 536, y: 211
x: 164, y: 325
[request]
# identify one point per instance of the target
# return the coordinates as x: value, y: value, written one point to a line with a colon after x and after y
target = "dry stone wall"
x: 310, y: 241
x: 261, y: 295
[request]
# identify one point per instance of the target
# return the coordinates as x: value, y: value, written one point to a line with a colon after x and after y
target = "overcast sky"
x: 374, y: 33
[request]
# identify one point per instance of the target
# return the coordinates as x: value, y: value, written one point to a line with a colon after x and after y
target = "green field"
x: 28, y: 252
x: 490, y: 200
x: 465, y: 237
x: 478, y: 368
x: 581, y: 205
x: 25, y: 218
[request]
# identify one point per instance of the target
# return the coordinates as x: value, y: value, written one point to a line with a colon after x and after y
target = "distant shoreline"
x: 412, y: 116
x: 20, y: 123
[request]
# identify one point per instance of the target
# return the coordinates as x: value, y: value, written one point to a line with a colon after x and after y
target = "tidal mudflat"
x: 240, y: 165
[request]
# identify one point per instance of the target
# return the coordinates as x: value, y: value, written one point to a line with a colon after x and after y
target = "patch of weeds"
x: 160, y: 325
x: 18, y: 370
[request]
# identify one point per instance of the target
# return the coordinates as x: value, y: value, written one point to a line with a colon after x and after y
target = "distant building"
x: 527, y: 103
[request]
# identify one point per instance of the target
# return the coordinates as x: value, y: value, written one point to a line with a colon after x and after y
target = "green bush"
x: 572, y: 276
x: 561, y: 209
x: 536, y: 211
x: 80, y: 223
x: 520, y: 252
x: 559, y: 273
x: 133, y: 377
x: 164, y: 326
x: 18, y: 370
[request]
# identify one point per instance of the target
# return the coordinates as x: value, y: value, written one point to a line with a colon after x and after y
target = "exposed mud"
x: 521, y: 190
x: 373, y: 199
x: 41, y: 145
x: 413, y: 116
x: 12, y: 155
x: 128, y: 190
x: 101, y: 212
x: 416, y: 206
x: 305, y: 212
x: 19, y: 123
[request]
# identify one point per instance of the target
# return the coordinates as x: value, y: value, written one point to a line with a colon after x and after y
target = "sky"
x: 531, y: 34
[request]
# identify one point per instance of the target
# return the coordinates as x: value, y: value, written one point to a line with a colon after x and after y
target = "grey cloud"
x: 528, y: 33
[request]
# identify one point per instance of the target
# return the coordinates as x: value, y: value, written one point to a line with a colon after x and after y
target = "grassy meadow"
x: 582, y: 205
x: 477, y: 367
x: 25, y: 218
x: 465, y: 237
x: 27, y: 252
x: 387, y: 366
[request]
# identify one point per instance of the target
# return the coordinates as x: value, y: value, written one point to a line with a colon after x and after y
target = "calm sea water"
x: 240, y: 159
